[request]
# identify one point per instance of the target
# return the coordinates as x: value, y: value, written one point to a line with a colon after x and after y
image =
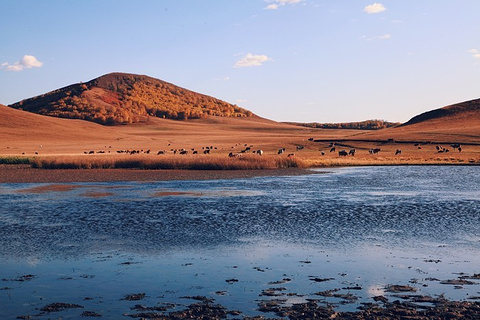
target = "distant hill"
x: 457, y: 111
x: 118, y: 98
x: 362, y: 125
x: 455, y: 123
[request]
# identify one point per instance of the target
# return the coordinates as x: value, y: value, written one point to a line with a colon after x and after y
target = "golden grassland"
x: 46, y: 142
x: 150, y: 162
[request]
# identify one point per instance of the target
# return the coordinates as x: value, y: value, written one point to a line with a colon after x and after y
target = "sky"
x: 286, y: 60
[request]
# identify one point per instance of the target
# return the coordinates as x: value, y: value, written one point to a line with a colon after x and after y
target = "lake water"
x: 355, y: 231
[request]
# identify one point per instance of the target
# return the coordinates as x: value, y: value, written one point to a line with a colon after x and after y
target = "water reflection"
x: 359, y: 227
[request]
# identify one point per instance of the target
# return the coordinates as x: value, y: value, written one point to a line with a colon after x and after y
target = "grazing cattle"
x: 332, y: 149
x: 195, y: 152
x: 398, y: 152
x: 459, y: 149
x: 374, y: 151
x: 91, y: 152
x: 322, y: 153
x: 455, y: 146
x: 441, y: 149
x: 291, y: 155
x: 351, y: 152
x: 281, y: 151
x: 300, y: 148
x: 148, y: 151
x: 342, y: 153
x: 310, y: 139
x: 160, y: 152
x: 259, y: 152
x: 183, y: 152
x: 206, y: 151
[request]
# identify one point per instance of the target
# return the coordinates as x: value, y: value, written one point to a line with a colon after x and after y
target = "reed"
x: 185, y: 162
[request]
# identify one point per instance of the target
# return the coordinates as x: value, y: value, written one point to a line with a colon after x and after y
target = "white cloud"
x: 374, y: 8
x: 475, y: 53
x: 271, y: 7
x: 384, y: 37
x: 27, y: 62
x: 276, y: 3
x: 251, y: 60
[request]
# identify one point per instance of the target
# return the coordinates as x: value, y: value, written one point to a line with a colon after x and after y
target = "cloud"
x: 276, y: 3
x: 374, y: 8
x: 241, y: 101
x: 27, y: 62
x: 475, y: 53
x: 251, y: 60
x: 384, y: 37
x: 271, y: 7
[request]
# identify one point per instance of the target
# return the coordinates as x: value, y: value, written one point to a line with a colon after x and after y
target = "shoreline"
x: 26, y: 174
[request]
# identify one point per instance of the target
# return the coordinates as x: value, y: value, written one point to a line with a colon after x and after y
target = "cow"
x: 300, y: 148
x: 160, y: 152
x: 332, y: 149
x: 351, y: 152
x: 206, y: 151
x: 281, y: 151
x: 322, y: 153
x: 342, y: 153
x: 183, y: 152
x: 259, y: 152
x: 374, y: 151
x: 291, y: 155
x: 398, y: 152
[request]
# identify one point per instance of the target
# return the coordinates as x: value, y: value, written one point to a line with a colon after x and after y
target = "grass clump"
x: 182, y: 162
x: 15, y: 160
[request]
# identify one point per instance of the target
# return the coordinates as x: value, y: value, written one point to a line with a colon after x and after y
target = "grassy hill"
x: 118, y: 98
x: 455, y: 123
x: 452, y: 113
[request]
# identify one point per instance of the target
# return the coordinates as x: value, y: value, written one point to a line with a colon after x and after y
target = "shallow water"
x: 357, y: 230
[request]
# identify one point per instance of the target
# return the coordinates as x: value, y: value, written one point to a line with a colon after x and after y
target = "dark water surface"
x: 357, y: 230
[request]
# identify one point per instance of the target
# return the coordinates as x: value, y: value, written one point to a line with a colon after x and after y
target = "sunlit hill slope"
x: 118, y: 98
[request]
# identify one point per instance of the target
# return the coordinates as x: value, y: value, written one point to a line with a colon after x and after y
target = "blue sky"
x: 286, y: 60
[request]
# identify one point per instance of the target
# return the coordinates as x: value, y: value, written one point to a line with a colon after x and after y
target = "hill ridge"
x: 463, y: 109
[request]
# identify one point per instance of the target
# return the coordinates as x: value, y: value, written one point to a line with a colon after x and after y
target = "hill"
x: 456, y: 112
x: 22, y: 131
x: 454, y: 123
x: 118, y: 98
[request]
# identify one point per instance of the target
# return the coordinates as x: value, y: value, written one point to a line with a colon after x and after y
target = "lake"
x: 339, y: 236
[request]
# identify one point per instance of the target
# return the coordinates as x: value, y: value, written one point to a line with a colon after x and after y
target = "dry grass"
x: 187, y: 162
x: 15, y: 160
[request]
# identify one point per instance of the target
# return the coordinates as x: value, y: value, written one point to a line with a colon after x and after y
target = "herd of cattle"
x: 248, y: 149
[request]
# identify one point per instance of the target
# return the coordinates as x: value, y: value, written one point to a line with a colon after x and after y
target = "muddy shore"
x: 26, y: 174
